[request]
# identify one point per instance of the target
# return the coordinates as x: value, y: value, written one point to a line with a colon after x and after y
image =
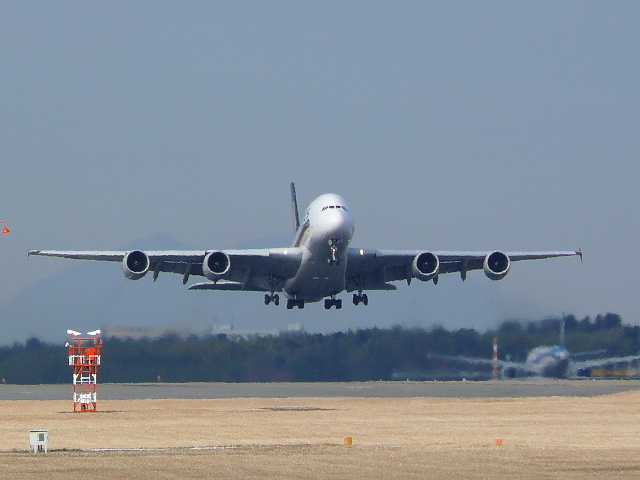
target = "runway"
x: 445, y: 430
x: 460, y: 389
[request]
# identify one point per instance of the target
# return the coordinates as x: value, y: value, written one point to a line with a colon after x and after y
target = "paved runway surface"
x: 508, y: 388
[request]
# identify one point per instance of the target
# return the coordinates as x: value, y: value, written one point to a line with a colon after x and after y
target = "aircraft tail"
x: 294, y: 207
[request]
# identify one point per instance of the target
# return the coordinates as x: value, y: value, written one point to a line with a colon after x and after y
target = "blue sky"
x: 455, y: 125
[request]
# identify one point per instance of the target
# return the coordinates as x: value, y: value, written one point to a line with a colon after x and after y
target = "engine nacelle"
x: 216, y: 265
x: 425, y: 266
x: 496, y: 265
x: 135, y: 265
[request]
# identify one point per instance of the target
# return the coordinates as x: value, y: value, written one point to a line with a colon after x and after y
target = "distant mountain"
x: 85, y: 296
x: 91, y: 295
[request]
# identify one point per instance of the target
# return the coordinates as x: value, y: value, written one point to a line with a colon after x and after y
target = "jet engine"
x: 135, y: 265
x: 216, y: 265
x: 496, y: 265
x: 425, y: 266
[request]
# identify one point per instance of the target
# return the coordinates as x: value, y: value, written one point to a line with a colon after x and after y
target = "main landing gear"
x: 295, y: 302
x: 359, y: 298
x: 274, y: 297
x: 332, y: 302
x: 271, y: 296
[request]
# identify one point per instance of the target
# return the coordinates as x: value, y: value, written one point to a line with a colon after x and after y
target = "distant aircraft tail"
x: 294, y: 207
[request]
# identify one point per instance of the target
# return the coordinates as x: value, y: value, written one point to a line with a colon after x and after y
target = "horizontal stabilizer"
x: 226, y: 286
x: 216, y: 286
x: 390, y: 287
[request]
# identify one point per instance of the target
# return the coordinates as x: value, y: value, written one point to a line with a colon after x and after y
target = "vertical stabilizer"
x: 294, y: 207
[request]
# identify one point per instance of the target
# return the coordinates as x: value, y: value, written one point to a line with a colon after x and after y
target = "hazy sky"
x: 446, y: 125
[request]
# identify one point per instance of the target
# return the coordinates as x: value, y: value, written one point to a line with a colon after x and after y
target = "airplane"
x: 549, y: 361
x: 552, y: 362
x: 320, y: 265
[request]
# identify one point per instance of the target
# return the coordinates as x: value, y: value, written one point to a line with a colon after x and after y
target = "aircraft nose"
x: 337, y: 220
x: 337, y: 224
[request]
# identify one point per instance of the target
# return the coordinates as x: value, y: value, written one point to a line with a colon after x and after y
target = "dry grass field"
x: 543, y: 437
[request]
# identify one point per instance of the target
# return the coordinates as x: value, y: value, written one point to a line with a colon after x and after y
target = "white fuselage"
x: 324, y: 237
x: 549, y: 361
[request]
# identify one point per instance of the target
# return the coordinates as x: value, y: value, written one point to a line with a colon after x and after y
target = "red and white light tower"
x: 85, y: 354
x: 495, y: 373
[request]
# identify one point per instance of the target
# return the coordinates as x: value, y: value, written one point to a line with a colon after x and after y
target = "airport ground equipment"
x: 38, y: 441
x: 85, y: 355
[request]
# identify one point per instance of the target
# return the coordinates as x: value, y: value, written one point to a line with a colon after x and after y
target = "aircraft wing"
x: 106, y: 256
x: 371, y: 269
x: 525, y: 369
x: 251, y: 269
x: 601, y: 362
x: 483, y: 361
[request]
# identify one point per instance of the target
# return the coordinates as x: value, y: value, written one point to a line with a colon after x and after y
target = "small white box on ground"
x: 39, y: 440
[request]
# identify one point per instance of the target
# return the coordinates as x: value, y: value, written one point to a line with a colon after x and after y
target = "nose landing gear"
x: 333, y: 246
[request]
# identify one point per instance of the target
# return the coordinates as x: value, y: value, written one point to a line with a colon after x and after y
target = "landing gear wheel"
x: 274, y: 297
x: 332, y: 302
x: 295, y: 302
x: 359, y: 298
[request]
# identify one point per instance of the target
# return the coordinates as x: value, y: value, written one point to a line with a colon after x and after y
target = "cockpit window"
x: 334, y: 206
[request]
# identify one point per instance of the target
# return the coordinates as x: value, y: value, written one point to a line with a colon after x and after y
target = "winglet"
x: 579, y: 253
x: 294, y: 207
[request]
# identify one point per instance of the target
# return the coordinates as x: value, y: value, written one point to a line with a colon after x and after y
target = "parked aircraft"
x: 553, y: 362
x: 543, y: 361
x: 320, y: 265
